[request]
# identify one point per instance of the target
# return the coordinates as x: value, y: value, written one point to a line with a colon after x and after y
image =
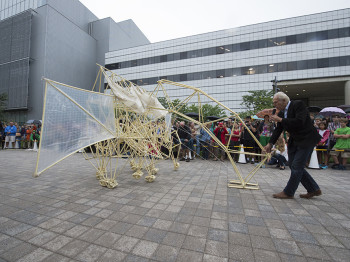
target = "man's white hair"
x: 281, y: 96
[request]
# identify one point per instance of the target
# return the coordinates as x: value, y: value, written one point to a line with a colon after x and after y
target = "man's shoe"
x: 282, y: 195
x: 312, y: 194
x: 187, y: 160
x: 182, y: 159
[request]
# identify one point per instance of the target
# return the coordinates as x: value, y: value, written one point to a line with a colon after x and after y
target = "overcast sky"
x: 162, y: 20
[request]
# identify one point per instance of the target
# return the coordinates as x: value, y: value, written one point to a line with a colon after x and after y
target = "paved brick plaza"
x: 187, y: 215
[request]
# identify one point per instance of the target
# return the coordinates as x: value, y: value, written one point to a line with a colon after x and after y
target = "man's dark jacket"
x: 184, y: 132
x: 299, y: 126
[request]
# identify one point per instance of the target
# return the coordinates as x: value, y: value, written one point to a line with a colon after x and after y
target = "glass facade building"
x: 58, y: 39
x: 227, y: 64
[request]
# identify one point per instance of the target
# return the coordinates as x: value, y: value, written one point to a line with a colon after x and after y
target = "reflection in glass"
x: 272, y: 68
x: 322, y: 63
x: 220, y: 50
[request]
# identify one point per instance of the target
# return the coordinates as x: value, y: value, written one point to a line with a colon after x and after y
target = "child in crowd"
x: 323, y: 145
x: 342, y: 136
x: 280, y: 154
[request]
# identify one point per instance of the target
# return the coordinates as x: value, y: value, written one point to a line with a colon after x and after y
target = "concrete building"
x: 309, y: 55
x: 58, y: 39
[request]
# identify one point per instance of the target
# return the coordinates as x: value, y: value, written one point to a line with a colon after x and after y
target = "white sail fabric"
x: 73, y: 119
x: 138, y: 100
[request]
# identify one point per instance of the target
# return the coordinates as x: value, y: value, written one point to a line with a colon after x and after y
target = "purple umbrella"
x: 328, y: 111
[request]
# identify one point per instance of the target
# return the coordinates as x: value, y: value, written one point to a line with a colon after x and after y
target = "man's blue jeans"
x: 297, y: 157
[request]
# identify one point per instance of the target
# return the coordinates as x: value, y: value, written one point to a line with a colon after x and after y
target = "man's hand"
x: 267, y: 148
x: 276, y: 118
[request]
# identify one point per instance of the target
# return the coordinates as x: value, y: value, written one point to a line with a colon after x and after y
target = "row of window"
x: 257, y: 44
x: 251, y: 70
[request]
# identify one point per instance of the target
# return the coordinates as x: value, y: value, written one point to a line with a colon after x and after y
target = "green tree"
x: 163, y: 101
x: 207, y: 109
x: 3, y: 100
x: 256, y: 101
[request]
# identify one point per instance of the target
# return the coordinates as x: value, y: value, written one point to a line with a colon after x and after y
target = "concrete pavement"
x: 185, y: 215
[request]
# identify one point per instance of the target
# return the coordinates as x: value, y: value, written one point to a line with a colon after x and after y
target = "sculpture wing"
x: 72, y: 120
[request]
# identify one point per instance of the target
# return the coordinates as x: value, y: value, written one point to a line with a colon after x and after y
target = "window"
x: 220, y: 50
x: 302, y: 65
x: 261, y: 69
x: 334, y: 61
x: 152, y: 80
x: 254, y: 44
x: 183, y: 77
x: 170, y: 57
x: 322, y: 35
x: 125, y: 64
x: 235, y: 47
x: 174, y: 78
x: 228, y: 48
x: 163, y: 58
x: 183, y: 55
x: 291, y: 66
x: 247, y: 70
x: 344, y: 32
x: 301, y: 38
x: 333, y: 33
x: 197, y: 76
x: 263, y: 43
x: 134, y: 63
x: 344, y: 60
x: 281, y: 40
x: 322, y: 63
x: 152, y: 60
x: 237, y: 72
x: 191, y: 54
x: 272, y: 68
x: 190, y: 76
x: 291, y: 39
x: 209, y: 74
x: 157, y: 59
x: 139, y: 62
x: 310, y: 37
x: 271, y: 42
x: 113, y: 66
x: 244, y: 46
x: 212, y: 50
x: 145, y: 61
x: 220, y: 73
x: 177, y: 56
x: 229, y: 72
x: 311, y: 64
x: 281, y: 67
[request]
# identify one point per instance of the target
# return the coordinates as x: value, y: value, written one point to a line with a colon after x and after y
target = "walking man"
x: 295, y: 119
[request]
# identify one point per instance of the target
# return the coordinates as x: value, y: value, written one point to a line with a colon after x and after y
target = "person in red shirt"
x: 235, y: 140
x: 220, y: 132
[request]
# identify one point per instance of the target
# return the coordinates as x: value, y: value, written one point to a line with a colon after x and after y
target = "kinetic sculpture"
x: 128, y: 123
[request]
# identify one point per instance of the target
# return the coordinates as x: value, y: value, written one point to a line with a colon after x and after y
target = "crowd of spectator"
x: 14, y: 136
x: 196, y: 142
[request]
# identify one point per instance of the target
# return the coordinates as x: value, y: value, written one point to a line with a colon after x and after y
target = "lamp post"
x: 274, y: 85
